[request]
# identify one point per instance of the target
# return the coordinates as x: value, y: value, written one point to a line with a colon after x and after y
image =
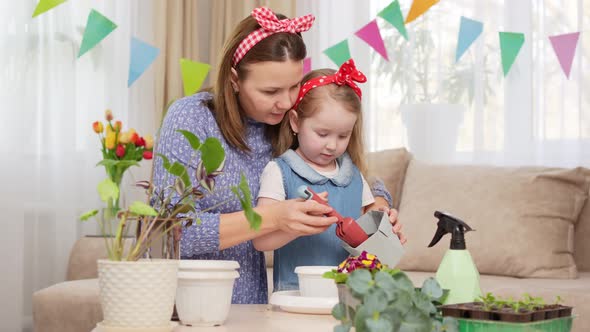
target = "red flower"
x: 147, y: 154
x: 120, y: 152
x: 134, y: 138
x: 140, y: 142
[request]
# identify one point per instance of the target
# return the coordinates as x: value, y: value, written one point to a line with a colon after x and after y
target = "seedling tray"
x: 563, y: 324
x: 476, y: 310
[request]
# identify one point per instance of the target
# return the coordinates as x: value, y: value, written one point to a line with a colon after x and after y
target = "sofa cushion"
x: 390, y: 166
x: 582, y: 245
x: 574, y: 293
x: 524, y: 217
x: 70, y: 306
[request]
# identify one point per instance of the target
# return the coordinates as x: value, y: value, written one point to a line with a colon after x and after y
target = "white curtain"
x: 533, y: 116
x: 49, y: 100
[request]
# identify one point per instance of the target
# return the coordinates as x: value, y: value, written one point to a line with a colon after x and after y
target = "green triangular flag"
x: 97, y: 27
x: 339, y: 53
x: 193, y: 75
x: 45, y: 5
x: 510, y: 44
x: 393, y: 15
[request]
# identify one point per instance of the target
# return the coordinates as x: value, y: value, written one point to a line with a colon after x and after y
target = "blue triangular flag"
x: 141, y: 56
x: 468, y: 33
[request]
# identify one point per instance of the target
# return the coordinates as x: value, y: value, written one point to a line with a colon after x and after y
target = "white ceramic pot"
x: 204, y: 293
x: 312, y: 284
x: 137, y: 294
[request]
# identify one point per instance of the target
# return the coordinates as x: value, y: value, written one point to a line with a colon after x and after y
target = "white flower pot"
x: 433, y: 130
x: 204, y: 293
x: 137, y: 294
x: 312, y: 284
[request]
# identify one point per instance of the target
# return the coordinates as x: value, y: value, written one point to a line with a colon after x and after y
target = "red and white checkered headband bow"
x: 270, y: 25
x: 347, y: 74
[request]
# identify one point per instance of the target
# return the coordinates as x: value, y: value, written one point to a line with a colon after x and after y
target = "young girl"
x: 324, y: 134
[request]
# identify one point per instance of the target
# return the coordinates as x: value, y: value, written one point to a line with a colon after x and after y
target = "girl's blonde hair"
x: 309, y: 105
x: 230, y: 117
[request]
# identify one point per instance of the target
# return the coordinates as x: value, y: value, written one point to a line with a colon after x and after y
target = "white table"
x: 264, y: 317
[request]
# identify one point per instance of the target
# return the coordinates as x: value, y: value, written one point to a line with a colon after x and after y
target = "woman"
x: 257, y: 83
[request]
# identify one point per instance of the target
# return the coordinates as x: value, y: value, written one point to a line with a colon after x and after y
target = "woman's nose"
x: 285, y: 101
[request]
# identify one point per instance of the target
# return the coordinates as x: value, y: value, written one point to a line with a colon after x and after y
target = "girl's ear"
x: 234, y: 80
x: 294, y: 121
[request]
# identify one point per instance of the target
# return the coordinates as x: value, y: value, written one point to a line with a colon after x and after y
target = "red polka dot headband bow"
x: 270, y: 25
x: 347, y: 74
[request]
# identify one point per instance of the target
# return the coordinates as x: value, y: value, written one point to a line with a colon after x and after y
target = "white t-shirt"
x: 271, y: 183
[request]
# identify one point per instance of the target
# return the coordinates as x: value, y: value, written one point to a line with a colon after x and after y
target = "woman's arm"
x: 272, y: 240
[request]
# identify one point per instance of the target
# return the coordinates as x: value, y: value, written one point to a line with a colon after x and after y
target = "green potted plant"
x: 139, y: 293
x: 374, y: 297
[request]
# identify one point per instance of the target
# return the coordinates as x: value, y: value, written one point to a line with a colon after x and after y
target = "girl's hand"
x: 301, y: 217
x: 396, y: 226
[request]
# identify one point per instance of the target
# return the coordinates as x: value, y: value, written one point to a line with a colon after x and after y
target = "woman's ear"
x: 294, y: 121
x: 234, y: 80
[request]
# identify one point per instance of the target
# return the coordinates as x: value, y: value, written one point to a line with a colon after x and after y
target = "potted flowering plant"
x: 139, y: 293
x: 374, y: 297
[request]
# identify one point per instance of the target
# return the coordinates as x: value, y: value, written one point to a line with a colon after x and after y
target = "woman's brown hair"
x: 308, y: 106
x: 281, y: 46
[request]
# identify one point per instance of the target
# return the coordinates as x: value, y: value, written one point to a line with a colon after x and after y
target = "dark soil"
x: 476, y: 310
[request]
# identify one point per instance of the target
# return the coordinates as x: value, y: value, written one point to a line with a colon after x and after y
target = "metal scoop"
x: 347, y: 229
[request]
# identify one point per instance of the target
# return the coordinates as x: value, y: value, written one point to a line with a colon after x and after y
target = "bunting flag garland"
x: 306, y: 65
x: 338, y: 53
x: 510, y: 44
x: 469, y: 30
x: 564, y: 47
x: 141, y: 57
x: 371, y: 35
x: 418, y: 8
x: 393, y: 15
x: 193, y: 75
x: 45, y: 5
x: 97, y: 28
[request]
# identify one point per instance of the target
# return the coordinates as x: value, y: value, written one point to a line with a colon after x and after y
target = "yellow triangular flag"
x: 45, y: 5
x: 418, y: 8
x: 193, y: 75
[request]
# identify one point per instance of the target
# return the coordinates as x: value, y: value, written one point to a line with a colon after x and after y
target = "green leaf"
x: 165, y: 162
x: 329, y: 275
x: 423, y: 303
x: 360, y: 281
x: 345, y: 327
x: 432, y: 289
x: 360, y: 318
x: 212, y: 154
x: 242, y: 192
x: 384, y: 281
x: 117, y: 163
x: 376, y: 301
x: 379, y: 325
x: 193, y: 140
x: 142, y: 209
x: 415, y: 321
x: 88, y: 215
x: 339, y: 311
x: 450, y: 324
x: 179, y: 170
x: 108, y: 190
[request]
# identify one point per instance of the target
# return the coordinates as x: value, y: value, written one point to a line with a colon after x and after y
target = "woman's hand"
x: 301, y: 217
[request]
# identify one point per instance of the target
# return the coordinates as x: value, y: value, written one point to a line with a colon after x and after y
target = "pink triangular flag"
x: 371, y: 35
x: 564, y: 47
x: 306, y: 65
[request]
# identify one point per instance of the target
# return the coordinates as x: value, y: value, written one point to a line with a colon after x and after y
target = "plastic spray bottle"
x: 456, y: 271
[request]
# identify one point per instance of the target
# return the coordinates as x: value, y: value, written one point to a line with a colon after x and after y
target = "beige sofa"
x: 530, y: 224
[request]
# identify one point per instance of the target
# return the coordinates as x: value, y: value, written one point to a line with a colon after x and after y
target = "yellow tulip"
x: 124, y: 137
x: 111, y: 140
x: 149, y: 141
